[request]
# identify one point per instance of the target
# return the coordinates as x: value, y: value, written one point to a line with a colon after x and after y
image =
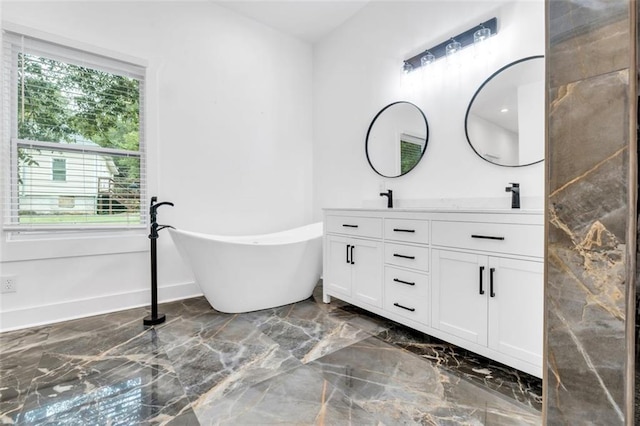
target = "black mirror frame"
x: 466, y: 116
x: 426, y: 141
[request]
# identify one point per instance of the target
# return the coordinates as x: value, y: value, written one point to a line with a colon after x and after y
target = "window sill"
x: 21, y: 247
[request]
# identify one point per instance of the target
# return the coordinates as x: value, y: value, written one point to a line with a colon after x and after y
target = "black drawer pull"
x: 404, y: 307
x: 491, y: 271
x: 403, y: 256
x: 349, y: 226
x: 352, y: 262
x: 348, y: 246
x: 403, y: 230
x: 403, y: 282
x: 481, y: 274
x: 487, y: 237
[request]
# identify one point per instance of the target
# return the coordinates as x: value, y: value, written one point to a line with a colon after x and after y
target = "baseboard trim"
x: 34, y: 316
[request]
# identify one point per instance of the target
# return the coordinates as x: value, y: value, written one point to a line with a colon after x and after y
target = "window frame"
x: 58, y: 174
x: 11, y: 143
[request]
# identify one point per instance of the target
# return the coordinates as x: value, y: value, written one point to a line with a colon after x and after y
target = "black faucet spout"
x: 154, y: 207
x: 153, y: 214
x: 515, y: 195
x: 389, y: 195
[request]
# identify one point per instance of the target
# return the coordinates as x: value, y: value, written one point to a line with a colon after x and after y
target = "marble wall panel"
x: 587, y: 125
x: 586, y: 304
x: 587, y: 38
x: 588, y: 212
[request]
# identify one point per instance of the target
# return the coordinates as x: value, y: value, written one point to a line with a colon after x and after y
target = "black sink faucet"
x: 389, y: 195
x: 515, y: 195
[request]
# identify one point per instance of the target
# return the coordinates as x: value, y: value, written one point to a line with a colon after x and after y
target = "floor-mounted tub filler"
x: 248, y: 273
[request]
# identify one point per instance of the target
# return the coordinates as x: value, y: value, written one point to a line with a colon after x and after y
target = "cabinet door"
x: 367, y: 271
x: 460, y: 294
x: 516, y: 308
x: 337, y: 276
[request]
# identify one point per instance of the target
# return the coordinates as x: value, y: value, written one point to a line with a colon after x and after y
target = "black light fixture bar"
x: 465, y: 39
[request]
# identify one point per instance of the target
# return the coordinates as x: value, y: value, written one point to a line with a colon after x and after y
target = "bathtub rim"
x: 293, y: 236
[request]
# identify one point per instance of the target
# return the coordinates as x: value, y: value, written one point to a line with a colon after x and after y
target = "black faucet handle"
x: 512, y: 187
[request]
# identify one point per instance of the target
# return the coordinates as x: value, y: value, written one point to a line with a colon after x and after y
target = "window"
x: 59, y: 169
x: 73, y: 131
x: 410, y: 151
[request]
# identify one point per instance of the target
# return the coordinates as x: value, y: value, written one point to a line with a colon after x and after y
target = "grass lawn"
x: 107, y: 219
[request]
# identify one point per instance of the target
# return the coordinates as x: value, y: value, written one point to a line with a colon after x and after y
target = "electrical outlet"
x: 9, y: 284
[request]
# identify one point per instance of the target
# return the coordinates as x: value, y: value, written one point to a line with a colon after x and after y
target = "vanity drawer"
x: 407, y: 256
x: 409, y: 230
x: 408, y: 283
x: 353, y: 225
x: 415, y: 308
x: 525, y: 240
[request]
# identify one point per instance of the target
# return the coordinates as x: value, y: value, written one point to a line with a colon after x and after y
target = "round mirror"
x: 505, y: 119
x: 397, y: 139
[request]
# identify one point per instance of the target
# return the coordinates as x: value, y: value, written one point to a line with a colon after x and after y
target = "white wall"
x: 496, y: 143
x: 357, y: 73
x: 531, y: 111
x: 229, y: 131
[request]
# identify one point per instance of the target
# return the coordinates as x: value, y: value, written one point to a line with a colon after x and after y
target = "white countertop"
x: 501, y: 205
x: 440, y: 210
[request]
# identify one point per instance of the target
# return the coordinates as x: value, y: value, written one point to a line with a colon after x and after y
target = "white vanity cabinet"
x: 406, y: 267
x: 488, y: 282
x: 471, y: 278
x: 354, y: 270
x: 490, y: 301
x: 352, y: 265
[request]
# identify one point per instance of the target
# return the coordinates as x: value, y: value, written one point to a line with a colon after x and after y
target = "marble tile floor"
x: 306, y: 363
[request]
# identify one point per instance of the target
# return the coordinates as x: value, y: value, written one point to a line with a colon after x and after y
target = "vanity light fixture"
x: 452, y: 45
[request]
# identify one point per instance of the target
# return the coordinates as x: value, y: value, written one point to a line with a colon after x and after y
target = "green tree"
x: 43, y: 110
x: 107, y: 107
x: 59, y: 102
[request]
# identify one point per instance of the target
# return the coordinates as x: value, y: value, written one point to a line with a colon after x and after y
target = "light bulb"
x: 481, y: 35
x: 407, y: 67
x: 427, y: 58
x: 453, y: 47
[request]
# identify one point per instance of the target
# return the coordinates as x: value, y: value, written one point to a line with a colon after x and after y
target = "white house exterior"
x: 62, y: 182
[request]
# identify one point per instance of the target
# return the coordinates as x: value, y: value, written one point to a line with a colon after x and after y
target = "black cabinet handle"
x: 349, y: 226
x: 491, y: 271
x: 348, y: 245
x: 487, y: 237
x: 404, y: 307
x: 481, y: 275
x: 403, y: 256
x: 352, y: 262
x: 403, y: 230
x: 403, y: 282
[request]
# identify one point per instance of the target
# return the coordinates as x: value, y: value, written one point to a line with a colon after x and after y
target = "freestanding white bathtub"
x: 248, y: 273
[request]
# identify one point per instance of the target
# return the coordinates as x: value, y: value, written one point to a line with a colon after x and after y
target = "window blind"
x: 73, y: 138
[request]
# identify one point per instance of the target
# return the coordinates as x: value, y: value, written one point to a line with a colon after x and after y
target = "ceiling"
x: 308, y: 20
